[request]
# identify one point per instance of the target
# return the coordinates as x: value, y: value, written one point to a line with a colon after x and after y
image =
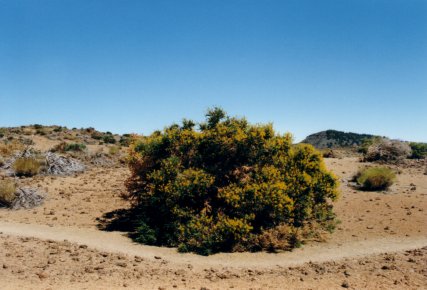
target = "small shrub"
x: 58, y: 129
x: 65, y: 147
x: 375, y: 178
x: 8, y: 148
x: 96, y: 135
x: 70, y: 137
x: 113, y: 150
x: 109, y: 139
x: 125, y: 140
x: 419, y: 150
x: 1, y: 161
x: 26, y: 166
x: 329, y: 153
x: 41, y: 132
x: 77, y: 147
x: 7, y: 192
x: 37, y: 126
x: 27, y: 141
x: 388, y: 151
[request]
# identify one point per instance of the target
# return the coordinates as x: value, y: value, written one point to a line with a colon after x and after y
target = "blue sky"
x: 137, y: 66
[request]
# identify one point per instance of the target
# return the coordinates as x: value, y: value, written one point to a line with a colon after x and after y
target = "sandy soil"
x: 379, y: 244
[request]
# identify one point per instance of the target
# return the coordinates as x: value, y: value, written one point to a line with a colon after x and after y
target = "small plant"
x: 7, y: 192
x: 26, y: 166
x: 113, y: 150
x: 58, y: 129
x: 77, y: 147
x: 41, y: 132
x: 125, y: 140
x: 96, y: 135
x: 375, y: 178
x: 108, y: 139
x: 64, y: 147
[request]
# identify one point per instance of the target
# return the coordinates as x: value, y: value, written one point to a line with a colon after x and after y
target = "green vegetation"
x: 26, y: 166
x: 7, y: 192
x: 419, y: 150
x: 65, y: 147
x: 41, y: 132
x: 77, y: 147
x: 229, y: 186
x: 125, y: 140
x: 375, y: 178
x: 59, y: 129
x: 97, y: 135
x: 108, y: 139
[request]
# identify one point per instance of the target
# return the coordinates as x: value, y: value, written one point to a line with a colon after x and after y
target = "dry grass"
x: 7, y: 191
x: 7, y: 149
x: 113, y: 150
x: 26, y: 166
x: 376, y: 178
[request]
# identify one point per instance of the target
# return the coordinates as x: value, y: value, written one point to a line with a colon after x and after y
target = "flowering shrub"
x: 226, y: 186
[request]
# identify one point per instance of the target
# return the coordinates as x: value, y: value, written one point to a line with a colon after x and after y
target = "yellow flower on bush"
x: 226, y: 186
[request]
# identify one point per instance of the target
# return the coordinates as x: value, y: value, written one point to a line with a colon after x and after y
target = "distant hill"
x: 336, y: 139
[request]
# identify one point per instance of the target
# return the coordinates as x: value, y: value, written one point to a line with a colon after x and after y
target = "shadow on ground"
x: 120, y: 220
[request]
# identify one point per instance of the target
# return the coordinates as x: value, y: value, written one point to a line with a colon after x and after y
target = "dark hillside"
x: 336, y: 139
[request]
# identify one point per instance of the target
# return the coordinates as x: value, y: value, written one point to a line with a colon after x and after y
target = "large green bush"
x: 227, y: 186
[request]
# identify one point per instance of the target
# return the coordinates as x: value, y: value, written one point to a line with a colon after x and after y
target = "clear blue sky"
x: 137, y: 66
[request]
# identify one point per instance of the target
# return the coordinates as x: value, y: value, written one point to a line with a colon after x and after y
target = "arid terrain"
x: 380, y: 242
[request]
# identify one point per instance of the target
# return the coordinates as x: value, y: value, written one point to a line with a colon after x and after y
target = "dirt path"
x: 115, y: 242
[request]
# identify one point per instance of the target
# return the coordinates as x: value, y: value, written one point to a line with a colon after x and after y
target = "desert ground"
x: 380, y: 242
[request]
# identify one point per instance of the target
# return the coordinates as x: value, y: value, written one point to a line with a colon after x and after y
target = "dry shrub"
x: 278, y: 238
x: 389, y: 151
x: 375, y: 178
x: 7, y: 192
x: 26, y: 166
x: 65, y: 147
x: 113, y: 150
x: 7, y: 149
